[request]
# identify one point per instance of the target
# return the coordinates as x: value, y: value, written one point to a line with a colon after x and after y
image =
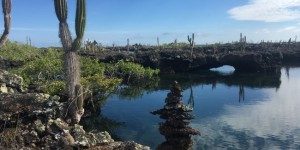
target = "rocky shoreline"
x: 30, y: 120
x: 181, y: 60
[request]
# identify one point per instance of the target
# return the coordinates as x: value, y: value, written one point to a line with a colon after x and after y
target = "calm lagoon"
x: 233, y: 111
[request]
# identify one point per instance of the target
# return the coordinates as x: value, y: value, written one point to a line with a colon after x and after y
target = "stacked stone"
x: 176, y: 131
x: 174, y: 97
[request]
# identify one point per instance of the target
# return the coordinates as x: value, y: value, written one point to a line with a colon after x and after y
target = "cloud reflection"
x: 272, y: 123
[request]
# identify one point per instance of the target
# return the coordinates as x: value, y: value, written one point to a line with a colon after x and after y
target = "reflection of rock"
x: 176, y: 131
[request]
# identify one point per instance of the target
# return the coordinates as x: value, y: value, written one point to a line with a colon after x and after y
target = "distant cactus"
x: 191, y: 41
x: 28, y: 40
x: 243, y: 42
x: 128, y: 44
x: 71, y: 58
x: 289, y: 43
x: 176, y: 43
x: 6, y: 7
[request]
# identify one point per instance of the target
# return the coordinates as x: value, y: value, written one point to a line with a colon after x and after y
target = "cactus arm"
x: 80, y: 18
x: 6, y: 6
x: 80, y: 22
x: 61, y: 10
x: 64, y: 32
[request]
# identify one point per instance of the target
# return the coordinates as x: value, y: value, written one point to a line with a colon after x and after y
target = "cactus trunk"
x: 6, y: 6
x: 65, y: 36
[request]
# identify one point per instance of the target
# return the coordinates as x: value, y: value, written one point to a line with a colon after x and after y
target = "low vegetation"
x: 43, y: 68
x: 15, y: 51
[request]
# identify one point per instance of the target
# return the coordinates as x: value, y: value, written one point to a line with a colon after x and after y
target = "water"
x: 233, y: 111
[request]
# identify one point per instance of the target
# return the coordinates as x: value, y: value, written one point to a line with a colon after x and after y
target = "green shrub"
x: 98, y: 83
x: 47, y: 67
x: 15, y: 51
x: 130, y: 72
x: 90, y: 67
x: 54, y: 87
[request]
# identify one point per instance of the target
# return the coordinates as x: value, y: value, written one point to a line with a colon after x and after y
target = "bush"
x: 46, y: 70
x: 130, y: 72
x: 90, y: 67
x: 54, y: 87
x: 15, y: 51
x: 99, y: 84
x: 48, y: 67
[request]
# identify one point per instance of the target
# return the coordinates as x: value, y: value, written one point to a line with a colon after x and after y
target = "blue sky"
x: 113, y: 21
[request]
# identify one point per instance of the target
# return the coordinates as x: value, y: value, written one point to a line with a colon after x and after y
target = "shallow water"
x: 237, y: 111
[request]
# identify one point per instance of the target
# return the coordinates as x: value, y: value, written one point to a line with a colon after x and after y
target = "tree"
x: 71, y: 58
x: 6, y: 7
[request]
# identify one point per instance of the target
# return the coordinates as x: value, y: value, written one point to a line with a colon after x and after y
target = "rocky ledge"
x: 182, y: 60
x: 34, y: 121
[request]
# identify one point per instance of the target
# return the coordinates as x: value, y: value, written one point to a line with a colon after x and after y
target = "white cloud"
x: 267, y: 10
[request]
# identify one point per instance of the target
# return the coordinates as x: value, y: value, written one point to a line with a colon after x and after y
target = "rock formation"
x: 181, y: 60
x: 35, y: 121
x: 175, y: 129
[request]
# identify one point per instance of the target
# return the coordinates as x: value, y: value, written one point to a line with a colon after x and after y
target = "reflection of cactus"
x: 6, y: 6
x: 191, y: 41
x: 191, y: 100
x: 71, y: 60
x: 241, y: 93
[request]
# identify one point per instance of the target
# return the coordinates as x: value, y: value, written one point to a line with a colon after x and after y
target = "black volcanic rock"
x: 169, y: 61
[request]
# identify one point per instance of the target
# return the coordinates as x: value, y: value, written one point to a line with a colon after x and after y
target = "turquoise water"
x: 233, y: 111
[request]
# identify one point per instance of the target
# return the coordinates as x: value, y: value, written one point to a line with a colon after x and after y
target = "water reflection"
x: 225, y: 123
x: 188, y: 81
x: 271, y: 123
x: 101, y: 123
x: 191, y: 100
x: 241, y: 93
x: 251, y: 80
x: 176, y: 130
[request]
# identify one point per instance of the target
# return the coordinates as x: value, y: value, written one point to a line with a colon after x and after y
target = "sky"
x: 142, y: 21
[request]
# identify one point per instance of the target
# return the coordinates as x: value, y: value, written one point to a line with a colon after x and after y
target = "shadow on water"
x: 175, y: 128
x: 101, y: 123
x: 250, y: 80
x: 213, y: 78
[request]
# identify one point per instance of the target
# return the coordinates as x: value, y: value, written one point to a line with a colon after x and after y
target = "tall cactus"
x: 192, y: 43
x: 243, y: 42
x: 6, y: 7
x: 127, y: 44
x: 71, y: 58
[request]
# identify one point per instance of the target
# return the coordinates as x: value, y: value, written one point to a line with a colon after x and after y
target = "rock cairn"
x: 176, y: 129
